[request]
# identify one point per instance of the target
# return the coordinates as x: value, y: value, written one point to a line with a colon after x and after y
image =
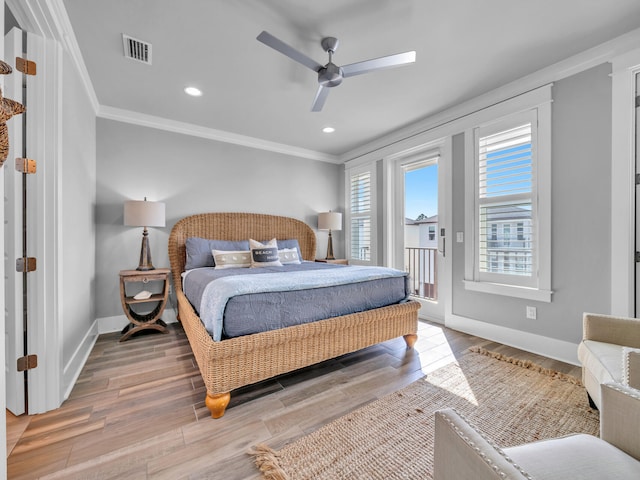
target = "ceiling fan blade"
x: 378, y: 64
x: 289, y: 51
x: 321, y: 97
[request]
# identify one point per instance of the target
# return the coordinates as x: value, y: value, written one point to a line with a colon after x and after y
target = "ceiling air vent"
x: 136, y: 49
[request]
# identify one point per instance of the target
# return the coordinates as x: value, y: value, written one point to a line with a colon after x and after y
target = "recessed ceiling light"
x: 193, y: 91
x: 328, y: 129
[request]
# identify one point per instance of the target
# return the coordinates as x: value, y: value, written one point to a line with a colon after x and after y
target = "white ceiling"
x: 464, y: 48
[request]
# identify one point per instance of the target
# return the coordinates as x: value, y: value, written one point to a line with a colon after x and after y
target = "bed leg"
x: 217, y: 403
x: 410, y: 339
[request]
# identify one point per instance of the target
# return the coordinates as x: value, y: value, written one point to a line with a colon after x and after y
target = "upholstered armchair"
x: 462, y: 453
x: 609, y: 352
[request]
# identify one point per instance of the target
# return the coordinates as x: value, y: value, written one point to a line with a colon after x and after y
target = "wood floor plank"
x: 16, y: 426
x: 35, y: 463
x: 30, y: 441
x: 130, y: 430
x: 236, y: 467
x: 200, y: 455
x: 137, y: 410
x: 127, y: 462
x: 302, y: 391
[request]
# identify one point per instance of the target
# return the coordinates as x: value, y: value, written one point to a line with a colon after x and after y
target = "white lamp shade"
x: 330, y: 221
x: 142, y: 213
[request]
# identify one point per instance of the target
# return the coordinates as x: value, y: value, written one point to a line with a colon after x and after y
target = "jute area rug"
x: 511, y: 401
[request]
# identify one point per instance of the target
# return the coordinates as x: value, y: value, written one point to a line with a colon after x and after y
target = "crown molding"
x: 580, y: 62
x: 151, y: 121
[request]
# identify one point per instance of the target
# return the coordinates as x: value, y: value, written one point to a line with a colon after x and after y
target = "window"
x: 494, y: 262
x: 360, y: 213
x: 508, y: 175
x: 432, y: 232
x: 506, y: 235
x: 494, y: 231
x: 504, y: 162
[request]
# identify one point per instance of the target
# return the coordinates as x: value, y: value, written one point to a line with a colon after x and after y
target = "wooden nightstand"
x: 339, y: 261
x: 143, y: 321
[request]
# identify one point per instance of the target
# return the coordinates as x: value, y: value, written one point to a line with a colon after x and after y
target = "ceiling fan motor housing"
x: 330, y: 75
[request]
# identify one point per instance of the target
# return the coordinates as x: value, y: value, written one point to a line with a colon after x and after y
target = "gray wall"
x: 581, y: 212
x: 76, y: 212
x: 195, y: 175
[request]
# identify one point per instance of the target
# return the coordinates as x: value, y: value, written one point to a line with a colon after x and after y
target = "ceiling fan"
x: 331, y: 75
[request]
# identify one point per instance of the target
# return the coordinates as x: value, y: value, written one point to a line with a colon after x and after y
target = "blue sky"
x: 421, y: 192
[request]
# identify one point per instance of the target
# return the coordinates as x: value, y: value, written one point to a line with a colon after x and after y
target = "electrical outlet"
x: 459, y: 237
x: 531, y: 313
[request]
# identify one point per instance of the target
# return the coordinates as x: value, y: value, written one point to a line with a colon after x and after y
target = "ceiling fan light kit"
x: 331, y: 75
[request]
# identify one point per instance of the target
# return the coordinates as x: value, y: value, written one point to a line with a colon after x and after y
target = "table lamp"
x: 141, y: 213
x: 330, y: 221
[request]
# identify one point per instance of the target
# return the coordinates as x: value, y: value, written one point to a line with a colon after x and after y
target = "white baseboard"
x: 431, y: 318
x: 73, y: 368
x: 117, y: 322
x: 531, y: 342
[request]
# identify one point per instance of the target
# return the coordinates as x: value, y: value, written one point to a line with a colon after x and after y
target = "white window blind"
x: 505, y: 164
x: 360, y: 215
x: 505, y: 192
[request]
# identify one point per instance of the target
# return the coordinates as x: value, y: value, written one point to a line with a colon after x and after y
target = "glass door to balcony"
x: 423, y: 242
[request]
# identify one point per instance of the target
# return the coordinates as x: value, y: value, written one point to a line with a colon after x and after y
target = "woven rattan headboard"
x: 236, y: 226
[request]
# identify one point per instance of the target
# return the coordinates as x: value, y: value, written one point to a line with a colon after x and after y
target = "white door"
x: 420, y: 236
x: 637, y: 120
x: 14, y: 327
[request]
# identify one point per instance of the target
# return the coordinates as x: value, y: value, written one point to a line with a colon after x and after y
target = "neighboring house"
x: 422, y: 232
x: 421, y: 244
x: 508, y: 243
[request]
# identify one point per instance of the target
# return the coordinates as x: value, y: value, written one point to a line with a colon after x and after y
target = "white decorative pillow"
x: 231, y: 259
x: 289, y: 256
x: 264, y: 254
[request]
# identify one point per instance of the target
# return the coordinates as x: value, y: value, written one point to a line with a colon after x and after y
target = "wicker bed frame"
x: 236, y: 362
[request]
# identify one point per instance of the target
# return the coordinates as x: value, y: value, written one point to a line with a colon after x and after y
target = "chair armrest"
x: 620, y: 417
x: 462, y: 453
x: 610, y: 329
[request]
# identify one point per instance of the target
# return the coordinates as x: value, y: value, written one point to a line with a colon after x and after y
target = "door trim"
x: 393, y: 211
x: 624, y: 70
x: 12, y: 211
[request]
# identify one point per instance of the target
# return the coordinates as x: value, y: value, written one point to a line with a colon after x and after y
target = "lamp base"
x: 330, y: 248
x: 145, y: 253
x: 145, y: 269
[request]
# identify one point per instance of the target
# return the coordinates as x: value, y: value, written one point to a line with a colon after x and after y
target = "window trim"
x: 373, y: 252
x: 540, y: 289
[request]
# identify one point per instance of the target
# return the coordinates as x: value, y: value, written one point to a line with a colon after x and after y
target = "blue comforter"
x: 210, y: 290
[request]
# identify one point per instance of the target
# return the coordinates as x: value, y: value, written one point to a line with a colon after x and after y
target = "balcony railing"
x: 423, y: 271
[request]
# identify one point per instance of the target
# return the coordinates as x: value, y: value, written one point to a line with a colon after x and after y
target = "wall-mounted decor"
x: 8, y: 108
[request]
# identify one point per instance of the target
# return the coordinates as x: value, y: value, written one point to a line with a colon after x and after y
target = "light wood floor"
x: 137, y: 410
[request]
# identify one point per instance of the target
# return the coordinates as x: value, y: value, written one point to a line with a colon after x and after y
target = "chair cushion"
x: 603, y: 360
x: 578, y: 457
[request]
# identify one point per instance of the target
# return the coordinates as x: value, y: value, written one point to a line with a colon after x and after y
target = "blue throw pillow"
x: 199, y: 250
